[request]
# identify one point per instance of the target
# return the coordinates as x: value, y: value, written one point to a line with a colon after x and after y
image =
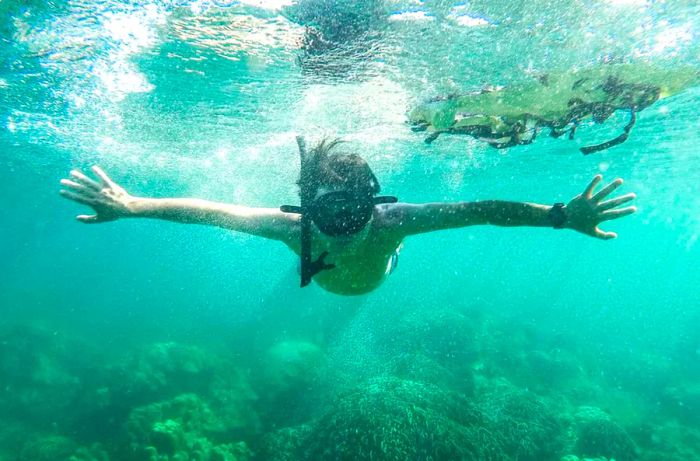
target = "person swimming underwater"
x: 345, y: 233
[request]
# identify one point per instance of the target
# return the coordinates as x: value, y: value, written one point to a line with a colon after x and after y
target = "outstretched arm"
x: 110, y: 202
x: 583, y: 213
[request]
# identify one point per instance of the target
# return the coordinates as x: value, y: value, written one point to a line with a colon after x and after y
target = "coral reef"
x: 393, y: 419
x: 284, y: 444
x: 576, y: 458
x: 598, y: 435
x: 439, y: 384
x: 54, y: 389
x: 683, y: 402
x: 95, y: 452
x: 556, y: 367
x: 161, y: 371
x: 417, y: 367
x: 39, y: 375
x: 289, y: 365
x: 646, y: 374
x: 529, y: 427
x: 446, y: 336
x: 59, y: 448
x: 164, y: 369
x: 181, y: 429
x: 288, y: 372
x: 668, y: 441
x: 47, y: 448
x: 438, y: 347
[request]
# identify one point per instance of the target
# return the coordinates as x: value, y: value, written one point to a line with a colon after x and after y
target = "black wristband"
x: 557, y: 215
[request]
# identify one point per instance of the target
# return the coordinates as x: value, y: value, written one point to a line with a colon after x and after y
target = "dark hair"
x: 337, y: 170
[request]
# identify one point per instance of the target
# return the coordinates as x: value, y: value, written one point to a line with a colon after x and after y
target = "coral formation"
x: 181, y: 429
x: 683, y: 401
x: 59, y: 448
x: 446, y: 336
x: 598, y: 435
x: 165, y: 368
x: 39, y: 375
x: 288, y: 373
x: 501, y: 392
x: 438, y: 347
x: 54, y: 390
x: 530, y: 428
x: 554, y: 367
x: 669, y: 441
x: 94, y: 452
x: 393, y: 419
x: 289, y: 365
x: 161, y: 371
x: 576, y: 458
x: 47, y: 448
x: 284, y: 444
x: 417, y: 367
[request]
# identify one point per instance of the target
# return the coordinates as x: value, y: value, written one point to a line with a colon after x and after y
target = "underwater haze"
x: 149, y: 340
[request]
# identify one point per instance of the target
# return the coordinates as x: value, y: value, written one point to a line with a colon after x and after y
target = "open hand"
x: 586, y: 211
x: 109, y: 200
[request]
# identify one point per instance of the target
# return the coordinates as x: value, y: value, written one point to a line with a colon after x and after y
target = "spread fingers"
x: 85, y: 200
x: 79, y: 177
x: 103, y: 176
x: 614, y: 214
x: 612, y: 203
x: 78, y: 187
x: 605, y: 191
x: 589, y: 189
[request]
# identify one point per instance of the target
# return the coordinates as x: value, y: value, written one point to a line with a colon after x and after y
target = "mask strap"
x: 384, y: 199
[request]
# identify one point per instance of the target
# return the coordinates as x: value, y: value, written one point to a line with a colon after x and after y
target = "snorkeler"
x: 355, y: 233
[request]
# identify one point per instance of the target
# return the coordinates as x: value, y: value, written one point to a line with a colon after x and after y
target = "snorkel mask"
x: 343, y: 212
x: 336, y: 213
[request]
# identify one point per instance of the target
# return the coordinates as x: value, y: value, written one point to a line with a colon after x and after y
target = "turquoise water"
x: 151, y: 340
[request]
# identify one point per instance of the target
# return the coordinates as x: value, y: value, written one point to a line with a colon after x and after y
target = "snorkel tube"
x: 309, y: 268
